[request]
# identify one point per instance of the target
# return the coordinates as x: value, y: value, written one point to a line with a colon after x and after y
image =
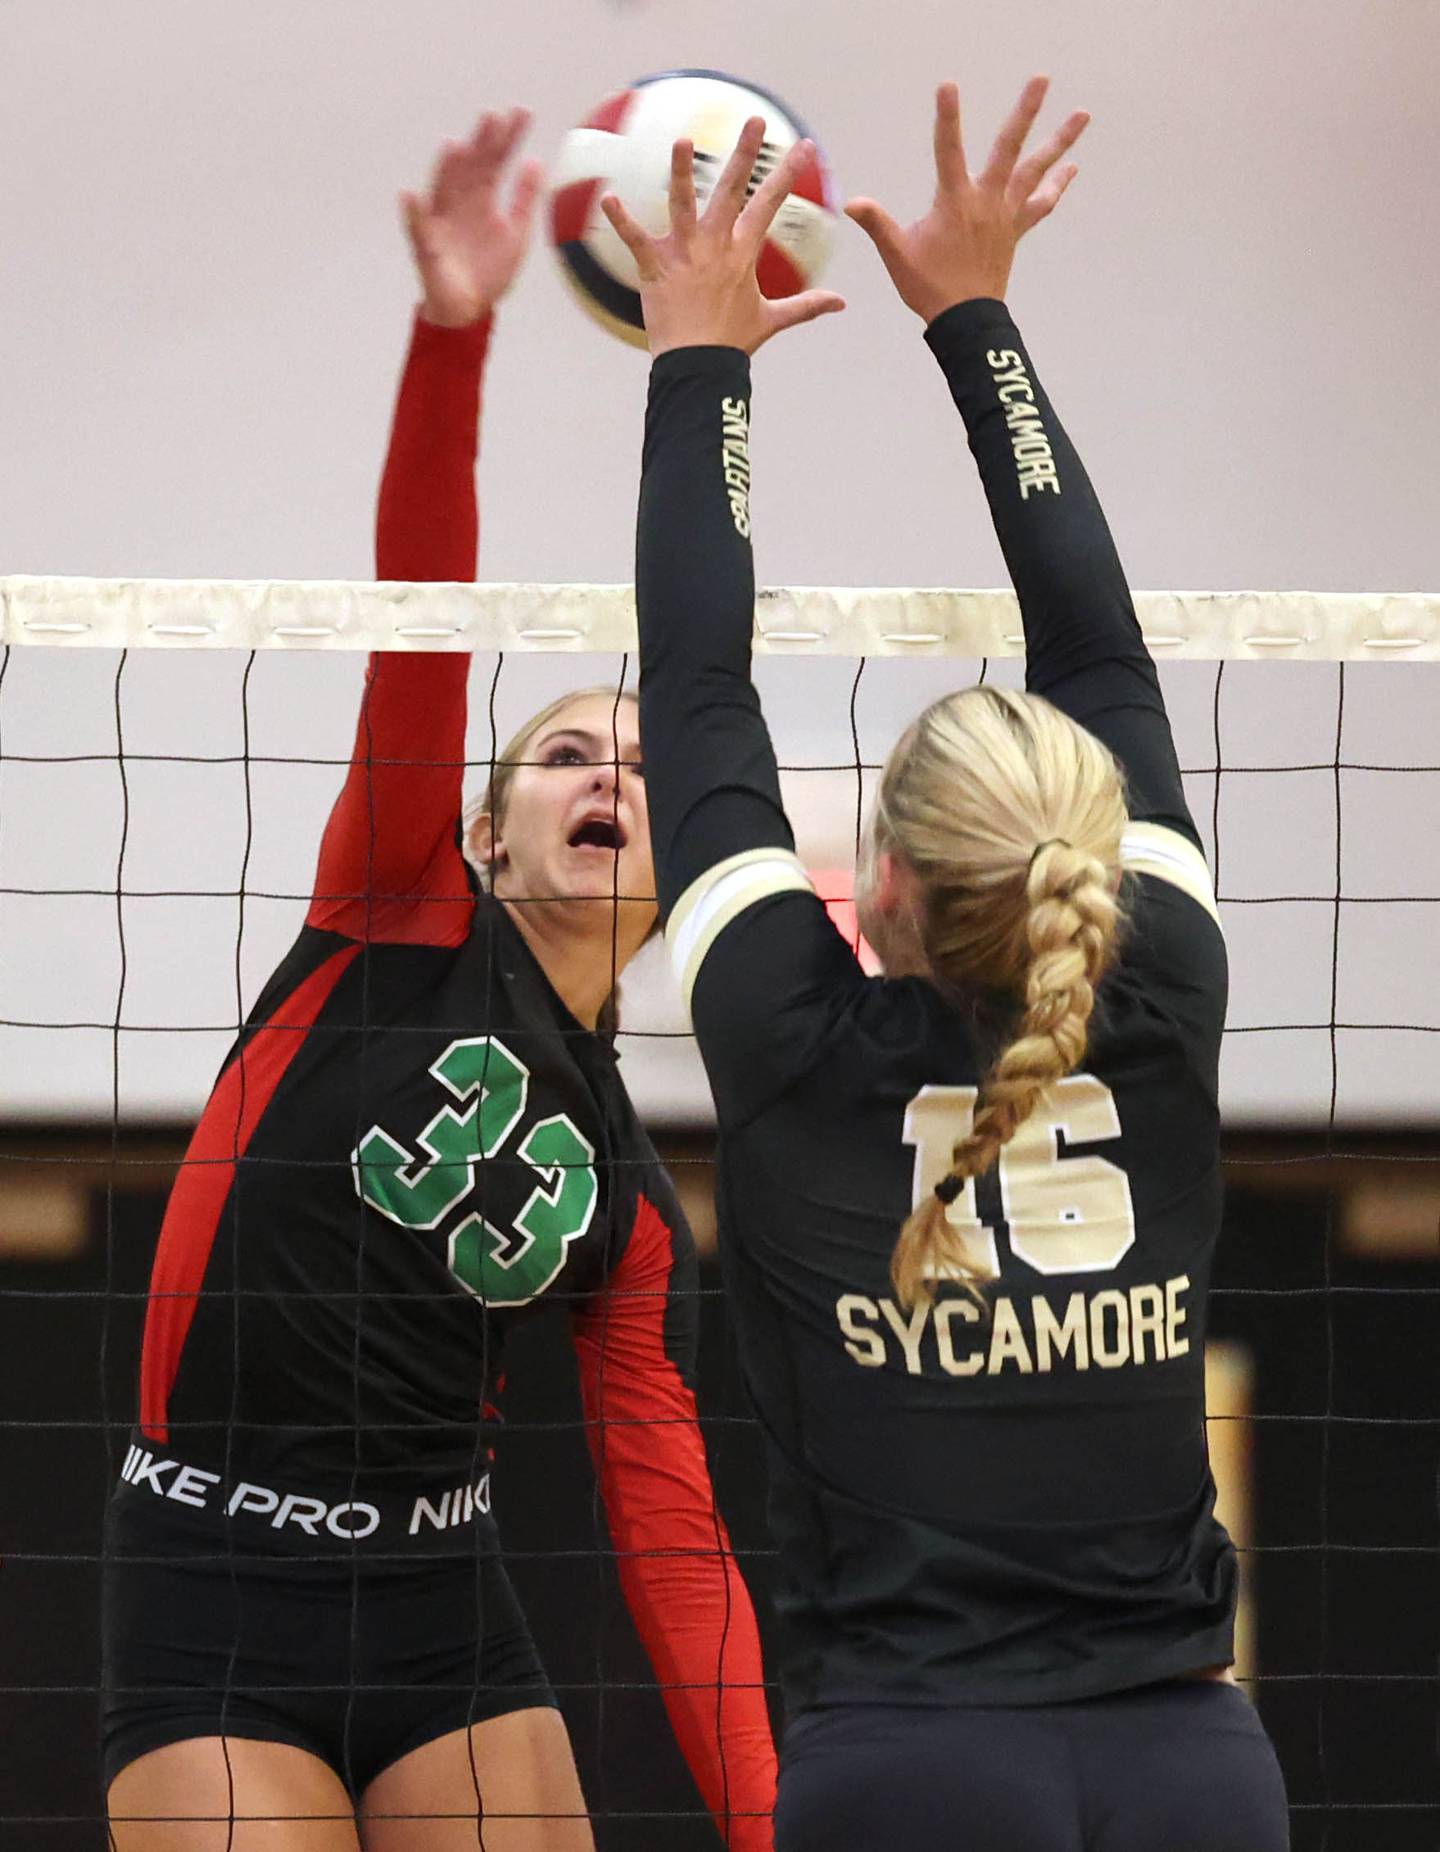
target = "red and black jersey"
x: 1000, y: 1505
x: 413, y: 1143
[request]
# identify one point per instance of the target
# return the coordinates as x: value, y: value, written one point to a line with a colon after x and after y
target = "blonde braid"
x: 1071, y: 922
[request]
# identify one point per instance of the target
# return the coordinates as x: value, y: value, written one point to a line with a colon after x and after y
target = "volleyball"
x: 623, y: 147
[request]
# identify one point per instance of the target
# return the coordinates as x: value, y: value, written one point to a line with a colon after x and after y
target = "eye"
x: 635, y: 768
x: 564, y: 753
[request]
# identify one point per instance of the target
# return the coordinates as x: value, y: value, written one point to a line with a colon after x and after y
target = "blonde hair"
x: 493, y: 799
x: 1011, y: 815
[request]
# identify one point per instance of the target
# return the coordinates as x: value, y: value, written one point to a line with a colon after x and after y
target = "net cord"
x: 1204, y: 626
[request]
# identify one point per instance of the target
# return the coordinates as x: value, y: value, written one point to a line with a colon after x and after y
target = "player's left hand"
x: 467, y: 243
x: 697, y: 284
x: 964, y: 245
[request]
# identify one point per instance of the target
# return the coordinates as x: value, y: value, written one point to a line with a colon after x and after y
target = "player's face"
x: 575, y: 824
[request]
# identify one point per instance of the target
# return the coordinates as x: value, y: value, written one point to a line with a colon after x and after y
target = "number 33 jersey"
x: 412, y: 1144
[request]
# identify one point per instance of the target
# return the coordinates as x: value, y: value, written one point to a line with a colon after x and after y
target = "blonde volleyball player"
x: 967, y: 1208
x: 312, y: 1644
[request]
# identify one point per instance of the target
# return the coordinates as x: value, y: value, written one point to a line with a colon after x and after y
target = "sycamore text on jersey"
x: 1034, y: 459
x: 1101, y: 1331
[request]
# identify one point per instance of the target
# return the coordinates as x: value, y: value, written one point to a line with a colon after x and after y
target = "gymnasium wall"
x: 205, y: 307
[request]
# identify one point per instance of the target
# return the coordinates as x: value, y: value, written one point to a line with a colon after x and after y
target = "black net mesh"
x: 157, y: 827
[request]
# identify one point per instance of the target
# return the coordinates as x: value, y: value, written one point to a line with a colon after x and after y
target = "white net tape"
x: 797, y: 620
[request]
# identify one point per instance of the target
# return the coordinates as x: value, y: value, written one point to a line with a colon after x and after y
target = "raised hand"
x: 965, y: 244
x: 697, y: 284
x: 467, y: 244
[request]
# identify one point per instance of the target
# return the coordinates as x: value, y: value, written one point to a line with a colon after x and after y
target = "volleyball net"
x: 169, y: 751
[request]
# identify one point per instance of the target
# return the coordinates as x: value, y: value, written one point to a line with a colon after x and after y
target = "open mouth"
x: 598, y: 833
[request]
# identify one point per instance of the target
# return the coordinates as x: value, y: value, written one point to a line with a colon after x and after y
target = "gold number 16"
x: 1067, y: 1213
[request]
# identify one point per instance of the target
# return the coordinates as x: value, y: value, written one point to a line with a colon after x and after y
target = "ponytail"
x: 1046, y: 929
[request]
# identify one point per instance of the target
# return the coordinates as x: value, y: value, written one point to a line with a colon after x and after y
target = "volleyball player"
x: 1008, y: 1604
x: 311, y: 1642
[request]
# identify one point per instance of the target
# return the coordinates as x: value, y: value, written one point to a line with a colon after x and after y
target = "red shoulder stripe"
x: 234, y: 1109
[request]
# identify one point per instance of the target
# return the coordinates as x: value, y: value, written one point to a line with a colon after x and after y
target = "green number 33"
x: 490, y: 1087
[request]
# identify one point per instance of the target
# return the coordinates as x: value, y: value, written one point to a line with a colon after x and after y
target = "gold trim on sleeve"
x: 1151, y: 849
x: 721, y: 895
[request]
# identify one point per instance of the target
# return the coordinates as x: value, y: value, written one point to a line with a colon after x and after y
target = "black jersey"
x: 1002, y: 1506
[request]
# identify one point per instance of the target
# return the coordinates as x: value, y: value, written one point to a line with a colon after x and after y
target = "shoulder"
x: 1175, y: 940
x: 719, y: 897
x: 1173, y: 858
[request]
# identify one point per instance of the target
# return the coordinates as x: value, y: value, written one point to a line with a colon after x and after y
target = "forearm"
x: 427, y: 523
x: 694, y: 1616
x: 710, y: 768
x: 1074, y: 600
x: 1083, y: 646
x: 389, y: 842
x: 635, y: 1347
x: 426, y: 527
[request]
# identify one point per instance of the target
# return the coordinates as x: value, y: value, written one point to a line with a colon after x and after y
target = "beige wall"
x: 205, y: 291
x: 204, y: 307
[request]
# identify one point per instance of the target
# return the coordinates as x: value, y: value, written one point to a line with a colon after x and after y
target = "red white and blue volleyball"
x: 623, y: 147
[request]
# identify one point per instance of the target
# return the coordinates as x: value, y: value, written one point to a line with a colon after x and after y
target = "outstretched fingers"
x: 950, y: 170
x: 773, y: 191
x: 509, y: 129
x: 465, y: 167
x: 633, y: 236
x: 1043, y: 201
x: 451, y: 176
x: 1033, y: 169
x: 1013, y: 131
x: 416, y: 220
x: 528, y: 184
x: 734, y: 182
x: 808, y: 306
x: 682, y: 190
x: 878, y: 226
x: 494, y: 140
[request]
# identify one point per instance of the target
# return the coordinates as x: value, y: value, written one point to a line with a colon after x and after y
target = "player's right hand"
x: 965, y: 244
x: 698, y: 286
x: 467, y: 244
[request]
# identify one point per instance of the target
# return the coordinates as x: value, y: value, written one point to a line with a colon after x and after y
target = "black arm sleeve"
x: 1084, y: 650
x: 772, y: 981
x: 711, y: 780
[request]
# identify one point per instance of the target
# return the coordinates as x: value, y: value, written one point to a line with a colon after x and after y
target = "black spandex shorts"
x: 356, y: 1653
x: 1181, y: 1767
